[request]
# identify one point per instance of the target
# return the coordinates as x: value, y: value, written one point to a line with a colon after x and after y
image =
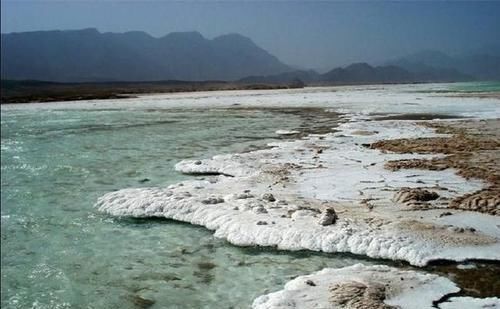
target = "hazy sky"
x: 308, y: 34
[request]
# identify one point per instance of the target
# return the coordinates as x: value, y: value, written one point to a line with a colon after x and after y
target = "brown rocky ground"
x: 357, y: 295
x: 473, y: 149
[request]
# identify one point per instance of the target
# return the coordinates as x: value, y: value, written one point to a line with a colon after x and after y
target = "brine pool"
x: 57, y: 251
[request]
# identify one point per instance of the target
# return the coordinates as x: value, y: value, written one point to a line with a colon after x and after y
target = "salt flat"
x: 329, y: 192
x: 304, y: 183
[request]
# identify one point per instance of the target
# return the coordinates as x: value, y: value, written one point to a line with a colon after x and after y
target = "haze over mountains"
x: 87, y: 55
x: 90, y: 56
x: 483, y: 64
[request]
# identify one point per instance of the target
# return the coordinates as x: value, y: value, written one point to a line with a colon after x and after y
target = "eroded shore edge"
x: 282, y: 197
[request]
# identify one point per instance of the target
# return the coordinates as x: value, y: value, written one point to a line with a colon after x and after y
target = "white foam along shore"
x: 377, y: 287
x: 277, y: 197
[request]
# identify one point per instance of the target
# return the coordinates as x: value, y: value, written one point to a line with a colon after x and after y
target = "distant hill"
x: 284, y: 78
x: 363, y: 73
x: 481, y: 64
x: 90, y: 56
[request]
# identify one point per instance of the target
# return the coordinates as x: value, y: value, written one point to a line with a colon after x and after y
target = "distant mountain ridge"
x: 362, y: 73
x: 88, y: 55
x: 424, y: 66
x: 482, y: 64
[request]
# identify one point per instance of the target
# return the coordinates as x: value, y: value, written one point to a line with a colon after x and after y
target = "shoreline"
x: 247, y: 199
x: 291, y: 165
x: 290, y: 161
x: 22, y: 92
x: 376, y: 286
x: 36, y: 92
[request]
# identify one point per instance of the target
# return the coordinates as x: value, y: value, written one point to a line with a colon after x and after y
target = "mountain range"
x: 482, y: 64
x: 363, y: 73
x: 90, y: 56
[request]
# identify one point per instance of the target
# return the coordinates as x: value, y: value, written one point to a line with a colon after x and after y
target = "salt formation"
x: 328, y: 217
x: 287, y: 132
x: 235, y: 200
x: 363, y: 287
x: 415, y: 198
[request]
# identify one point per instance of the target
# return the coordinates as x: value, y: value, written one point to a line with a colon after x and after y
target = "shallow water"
x: 489, y: 86
x: 58, y: 252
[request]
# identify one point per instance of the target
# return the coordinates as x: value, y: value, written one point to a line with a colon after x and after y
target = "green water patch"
x: 58, y: 252
x: 481, y: 87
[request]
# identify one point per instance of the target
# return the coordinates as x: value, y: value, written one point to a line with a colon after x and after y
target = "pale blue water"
x: 463, y: 87
x: 58, y: 252
x: 489, y: 86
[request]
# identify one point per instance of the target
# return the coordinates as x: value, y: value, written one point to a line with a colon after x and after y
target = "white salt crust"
x: 308, y: 175
x: 402, y: 289
x: 287, y: 132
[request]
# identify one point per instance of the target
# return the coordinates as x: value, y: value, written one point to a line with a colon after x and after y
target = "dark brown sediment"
x: 473, y: 149
x: 39, y: 91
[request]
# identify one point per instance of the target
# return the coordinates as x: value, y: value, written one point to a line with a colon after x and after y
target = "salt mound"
x: 287, y: 132
x: 359, y: 286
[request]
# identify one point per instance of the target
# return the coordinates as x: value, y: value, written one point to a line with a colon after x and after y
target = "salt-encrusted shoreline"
x: 374, y: 287
x: 278, y: 197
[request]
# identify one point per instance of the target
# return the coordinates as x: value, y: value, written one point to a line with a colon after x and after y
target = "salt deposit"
x: 310, y: 175
x: 379, y: 287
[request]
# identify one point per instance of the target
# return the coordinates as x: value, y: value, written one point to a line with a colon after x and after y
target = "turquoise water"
x: 480, y: 87
x: 489, y: 86
x: 58, y: 252
x: 473, y: 87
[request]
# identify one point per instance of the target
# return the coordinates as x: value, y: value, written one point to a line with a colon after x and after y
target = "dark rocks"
x: 328, y: 217
x: 310, y: 282
x: 268, y: 197
x: 243, y: 196
x: 213, y: 200
x: 206, y: 265
x: 141, y: 302
x: 444, y: 214
x: 458, y: 229
x: 260, y: 210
